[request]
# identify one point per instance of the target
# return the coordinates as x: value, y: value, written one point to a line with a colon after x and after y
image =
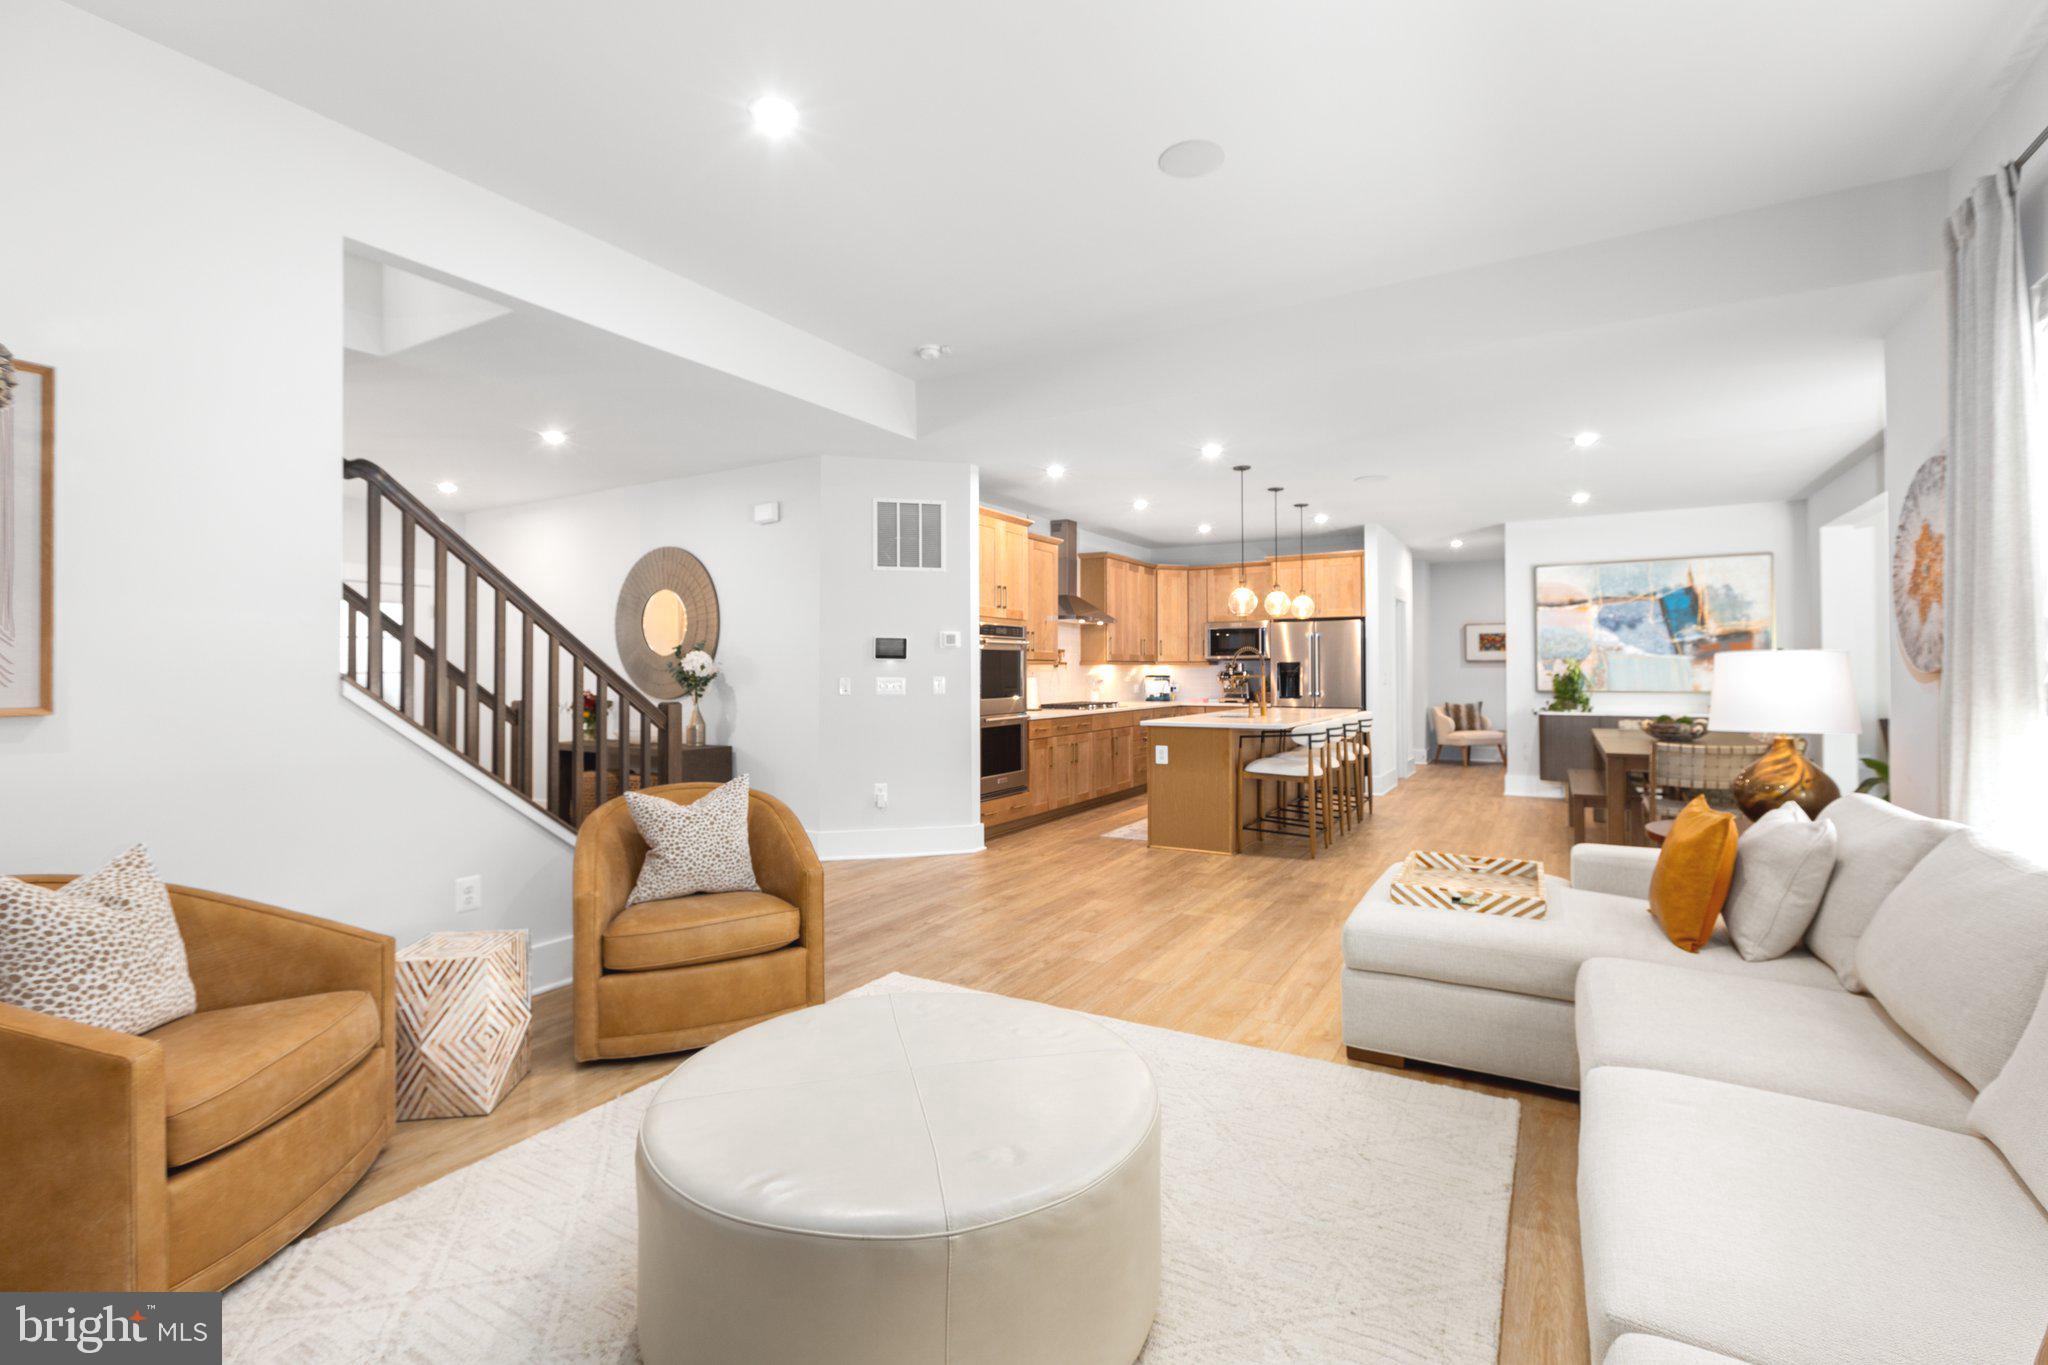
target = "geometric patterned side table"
x: 463, y: 1013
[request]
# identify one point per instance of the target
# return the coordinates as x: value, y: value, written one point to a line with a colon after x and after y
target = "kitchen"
x: 1079, y: 651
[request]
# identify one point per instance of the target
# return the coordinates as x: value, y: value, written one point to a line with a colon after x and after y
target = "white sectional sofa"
x: 1779, y: 1161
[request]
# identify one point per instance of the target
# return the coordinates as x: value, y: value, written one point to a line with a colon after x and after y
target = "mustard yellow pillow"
x: 1691, y: 881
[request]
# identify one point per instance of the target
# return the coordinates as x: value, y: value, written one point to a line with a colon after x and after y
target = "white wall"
x: 800, y: 605
x: 1776, y: 528
x: 1394, y: 670
x: 1465, y: 593
x: 180, y: 263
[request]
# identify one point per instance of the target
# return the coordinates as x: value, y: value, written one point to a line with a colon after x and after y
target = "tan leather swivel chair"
x: 664, y: 976
x: 183, y: 1157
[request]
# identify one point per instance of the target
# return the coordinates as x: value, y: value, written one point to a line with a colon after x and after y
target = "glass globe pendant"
x: 1243, y: 601
x: 1278, y: 601
x: 1304, y: 605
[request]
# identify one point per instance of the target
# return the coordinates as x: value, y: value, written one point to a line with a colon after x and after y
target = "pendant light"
x: 1278, y: 602
x: 1243, y: 601
x: 1304, y: 605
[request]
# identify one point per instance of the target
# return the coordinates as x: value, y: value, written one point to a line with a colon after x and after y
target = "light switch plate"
x: 938, y: 684
x: 949, y: 639
x: 892, y: 687
x: 846, y: 687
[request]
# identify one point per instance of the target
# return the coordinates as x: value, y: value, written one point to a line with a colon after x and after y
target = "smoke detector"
x: 931, y: 352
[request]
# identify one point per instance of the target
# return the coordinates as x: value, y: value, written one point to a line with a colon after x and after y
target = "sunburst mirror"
x: 667, y: 600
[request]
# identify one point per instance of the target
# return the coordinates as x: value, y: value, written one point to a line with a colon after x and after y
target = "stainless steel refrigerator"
x: 1318, y: 662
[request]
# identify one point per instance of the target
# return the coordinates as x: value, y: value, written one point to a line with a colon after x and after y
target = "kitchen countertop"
x: 1121, y: 708
x: 1278, y: 718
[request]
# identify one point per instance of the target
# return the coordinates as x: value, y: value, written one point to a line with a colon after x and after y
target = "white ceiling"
x: 1445, y: 237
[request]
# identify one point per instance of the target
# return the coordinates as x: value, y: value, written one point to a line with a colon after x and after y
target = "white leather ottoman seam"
x: 938, y: 1173
x: 1112, y: 1173
x: 879, y: 1071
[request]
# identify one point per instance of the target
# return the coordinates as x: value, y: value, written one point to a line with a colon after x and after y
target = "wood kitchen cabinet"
x: 1005, y: 565
x: 1077, y: 759
x: 1043, y: 599
x: 1171, y: 644
x: 1128, y: 590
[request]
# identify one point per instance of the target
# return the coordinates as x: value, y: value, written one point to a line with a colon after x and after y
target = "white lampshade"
x: 1784, y: 692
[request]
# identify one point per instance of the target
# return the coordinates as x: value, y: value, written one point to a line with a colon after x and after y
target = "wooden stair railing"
x: 546, y: 754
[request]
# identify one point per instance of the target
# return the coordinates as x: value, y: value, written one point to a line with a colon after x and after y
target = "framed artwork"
x: 28, y: 454
x: 1918, y: 555
x: 1651, y: 625
x: 1486, y: 644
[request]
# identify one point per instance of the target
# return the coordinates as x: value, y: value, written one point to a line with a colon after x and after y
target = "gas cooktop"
x: 1080, y: 706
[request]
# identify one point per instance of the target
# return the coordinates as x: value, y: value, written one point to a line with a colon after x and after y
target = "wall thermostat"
x: 949, y: 639
x: 767, y: 513
x: 891, y: 647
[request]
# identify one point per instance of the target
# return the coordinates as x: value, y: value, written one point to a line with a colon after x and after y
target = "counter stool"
x: 1313, y: 767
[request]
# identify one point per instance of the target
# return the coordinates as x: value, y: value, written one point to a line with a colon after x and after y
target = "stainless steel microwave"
x: 1231, y: 640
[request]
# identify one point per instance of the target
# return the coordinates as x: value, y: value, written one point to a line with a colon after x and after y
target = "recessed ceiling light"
x: 1191, y: 159
x: 1581, y: 498
x: 1203, y: 529
x: 1586, y: 440
x: 929, y: 351
x: 446, y: 486
x: 1212, y: 450
x: 1457, y: 545
x: 1321, y: 518
x: 1055, y: 471
x: 554, y: 437
x: 773, y: 115
x: 1139, y: 504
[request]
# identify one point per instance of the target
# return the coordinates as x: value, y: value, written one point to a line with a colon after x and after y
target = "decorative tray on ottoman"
x: 1468, y: 881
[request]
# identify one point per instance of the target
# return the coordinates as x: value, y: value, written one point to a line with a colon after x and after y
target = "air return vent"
x: 910, y: 535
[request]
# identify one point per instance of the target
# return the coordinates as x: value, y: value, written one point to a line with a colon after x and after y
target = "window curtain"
x: 1994, y: 731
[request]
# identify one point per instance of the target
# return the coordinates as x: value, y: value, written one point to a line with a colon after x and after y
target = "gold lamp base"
x: 1783, y: 774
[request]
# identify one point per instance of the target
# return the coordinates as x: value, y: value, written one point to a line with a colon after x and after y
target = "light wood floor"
x: 1244, y: 949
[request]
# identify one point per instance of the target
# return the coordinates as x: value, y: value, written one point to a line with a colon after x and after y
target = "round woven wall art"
x: 1918, y: 560
x: 666, y: 600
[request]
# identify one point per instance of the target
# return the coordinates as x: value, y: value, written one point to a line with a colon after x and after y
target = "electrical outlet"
x: 469, y: 895
x: 938, y: 684
x: 1159, y: 754
x: 892, y: 687
x: 846, y: 687
x: 881, y: 796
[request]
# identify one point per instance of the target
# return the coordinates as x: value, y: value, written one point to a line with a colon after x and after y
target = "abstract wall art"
x: 1651, y: 625
x: 28, y: 448
x: 1486, y: 643
x: 1918, y: 556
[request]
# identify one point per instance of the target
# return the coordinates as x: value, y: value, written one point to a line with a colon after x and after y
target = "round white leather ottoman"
x: 920, y: 1179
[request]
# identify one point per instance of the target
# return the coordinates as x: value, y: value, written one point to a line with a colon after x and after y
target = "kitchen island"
x: 1193, y: 792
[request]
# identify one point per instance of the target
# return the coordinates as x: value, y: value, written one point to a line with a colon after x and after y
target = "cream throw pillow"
x: 102, y: 950
x: 1782, y: 865
x: 695, y: 848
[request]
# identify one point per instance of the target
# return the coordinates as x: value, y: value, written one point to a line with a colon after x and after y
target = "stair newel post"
x: 438, y: 699
x: 373, y: 582
x: 408, y: 627
x: 671, y: 741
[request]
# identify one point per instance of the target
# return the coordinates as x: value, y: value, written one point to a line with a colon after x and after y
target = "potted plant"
x: 1568, y: 690
x: 693, y: 671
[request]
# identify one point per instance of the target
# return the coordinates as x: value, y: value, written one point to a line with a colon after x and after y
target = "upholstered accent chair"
x: 1465, y: 740
x: 184, y: 1157
x: 669, y: 975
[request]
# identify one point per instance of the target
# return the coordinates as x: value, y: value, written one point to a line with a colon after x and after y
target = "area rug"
x: 1140, y: 830
x: 1312, y: 1212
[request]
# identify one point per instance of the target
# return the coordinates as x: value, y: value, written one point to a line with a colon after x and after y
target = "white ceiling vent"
x: 910, y: 535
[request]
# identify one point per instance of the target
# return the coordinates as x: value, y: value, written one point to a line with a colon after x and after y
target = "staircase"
x: 486, y: 673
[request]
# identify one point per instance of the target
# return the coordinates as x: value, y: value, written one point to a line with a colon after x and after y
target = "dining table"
x: 1622, y: 752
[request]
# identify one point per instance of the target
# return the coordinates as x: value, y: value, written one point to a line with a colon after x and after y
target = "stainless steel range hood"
x: 1073, y: 606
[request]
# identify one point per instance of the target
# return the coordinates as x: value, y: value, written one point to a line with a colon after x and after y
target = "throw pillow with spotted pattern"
x: 695, y: 848
x: 101, y: 950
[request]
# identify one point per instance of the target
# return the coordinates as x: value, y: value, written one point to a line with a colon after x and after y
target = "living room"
x: 711, y: 384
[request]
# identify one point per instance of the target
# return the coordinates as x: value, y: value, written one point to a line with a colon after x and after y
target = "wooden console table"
x: 699, y: 763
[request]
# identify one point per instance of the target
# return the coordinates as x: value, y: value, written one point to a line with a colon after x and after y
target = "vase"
x: 693, y: 728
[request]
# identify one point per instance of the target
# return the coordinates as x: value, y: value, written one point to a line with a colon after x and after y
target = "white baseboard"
x: 453, y: 762
x: 924, y: 841
x: 1521, y: 784
x: 549, y: 963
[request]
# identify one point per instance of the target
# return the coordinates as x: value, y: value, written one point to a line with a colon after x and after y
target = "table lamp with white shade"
x: 1784, y: 692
